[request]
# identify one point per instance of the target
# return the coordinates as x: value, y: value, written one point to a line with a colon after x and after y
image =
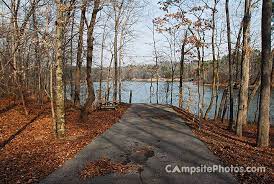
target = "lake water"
x: 141, y: 94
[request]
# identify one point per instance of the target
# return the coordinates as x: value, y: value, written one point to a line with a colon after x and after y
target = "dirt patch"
x: 233, y: 150
x: 142, y: 154
x: 105, y: 166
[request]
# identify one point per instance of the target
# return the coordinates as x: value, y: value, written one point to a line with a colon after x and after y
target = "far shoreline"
x: 220, y: 85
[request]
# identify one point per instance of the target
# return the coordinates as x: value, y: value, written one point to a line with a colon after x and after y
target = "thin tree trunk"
x: 213, y: 89
x: 172, y: 83
x: 52, y: 99
x: 156, y: 64
x: 121, y: 59
x: 236, y: 53
x: 108, y: 78
x: 150, y: 88
x: 181, y: 76
x: 231, y: 102
x: 101, y: 60
x: 116, y: 30
x: 203, y: 76
x: 71, y: 56
x: 79, y: 55
x: 217, y: 84
x: 37, y: 58
x: 182, y: 72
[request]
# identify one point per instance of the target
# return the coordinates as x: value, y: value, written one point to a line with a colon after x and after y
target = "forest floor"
x: 29, y: 151
x: 233, y: 150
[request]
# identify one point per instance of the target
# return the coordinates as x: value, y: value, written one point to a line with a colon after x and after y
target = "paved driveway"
x: 156, y: 127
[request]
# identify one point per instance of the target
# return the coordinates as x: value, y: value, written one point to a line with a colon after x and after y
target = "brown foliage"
x: 106, y: 166
x: 36, y: 152
x: 233, y: 150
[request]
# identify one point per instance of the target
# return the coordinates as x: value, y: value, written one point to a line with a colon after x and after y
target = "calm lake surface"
x: 141, y: 94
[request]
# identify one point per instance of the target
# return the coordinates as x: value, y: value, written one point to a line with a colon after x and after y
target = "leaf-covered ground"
x: 35, y: 152
x: 236, y: 151
x: 105, y: 166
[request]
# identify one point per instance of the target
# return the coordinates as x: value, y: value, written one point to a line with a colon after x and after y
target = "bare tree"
x: 182, y: 61
x: 243, y: 95
x: 117, y: 6
x: 213, y: 90
x: 90, y: 46
x: 79, y: 54
x: 266, y: 69
x: 156, y: 62
x: 231, y: 104
x: 59, y: 100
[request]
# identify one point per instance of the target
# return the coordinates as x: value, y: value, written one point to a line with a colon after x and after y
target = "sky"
x: 141, y: 48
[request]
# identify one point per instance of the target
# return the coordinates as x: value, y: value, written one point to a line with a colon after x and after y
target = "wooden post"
x: 130, y: 96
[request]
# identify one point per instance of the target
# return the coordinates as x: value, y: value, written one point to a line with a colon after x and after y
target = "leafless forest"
x: 50, y: 49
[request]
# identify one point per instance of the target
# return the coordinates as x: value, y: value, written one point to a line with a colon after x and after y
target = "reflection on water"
x: 141, y: 94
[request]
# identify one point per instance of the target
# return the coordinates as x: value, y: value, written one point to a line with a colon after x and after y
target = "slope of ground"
x: 233, y: 150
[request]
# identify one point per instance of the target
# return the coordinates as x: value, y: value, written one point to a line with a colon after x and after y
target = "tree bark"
x: 71, y: 57
x: 115, y: 42
x: 90, y: 46
x: 156, y: 64
x: 59, y: 100
x: 231, y: 102
x: 266, y: 69
x: 243, y: 95
x: 79, y: 55
x: 102, y: 59
x: 213, y: 87
x: 222, y: 104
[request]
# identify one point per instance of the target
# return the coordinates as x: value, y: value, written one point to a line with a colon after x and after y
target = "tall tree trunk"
x: 231, y: 102
x: 108, y: 79
x: 59, y: 100
x: 115, y: 87
x: 50, y: 60
x: 203, y: 76
x: 217, y: 83
x: 236, y: 54
x: 115, y: 42
x: 121, y: 47
x: 52, y: 97
x: 102, y: 59
x: 213, y: 87
x: 71, y: 56
x: 182, y: 72
x: 171, y: 87
x: 37, y: 59
x: 150, y: 88
x: 90, y: 46
x: 79, y: 55
x: 266, y: 69
x: 156, y: 64
x: 243, y: 95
